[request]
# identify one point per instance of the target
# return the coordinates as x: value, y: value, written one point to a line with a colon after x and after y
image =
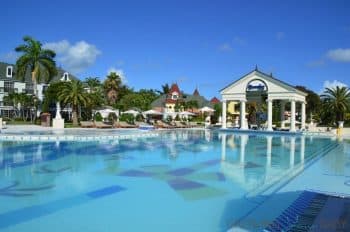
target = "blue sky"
x: 194, y: 43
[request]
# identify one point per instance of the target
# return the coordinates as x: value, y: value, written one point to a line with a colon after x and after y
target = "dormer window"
x: 9, y: 71
x: 65, y: 77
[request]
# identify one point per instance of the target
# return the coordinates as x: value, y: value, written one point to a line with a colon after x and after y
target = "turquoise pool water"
x: 183, y: 180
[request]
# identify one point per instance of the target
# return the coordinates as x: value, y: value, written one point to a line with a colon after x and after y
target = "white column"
x: 283, y: 104
x: 223, y: 114
x: 292, y: 152
x: 223, y: 147
x: 243, y: 121
x: 292, y: 116
x: 269, y: 114
x: 302, y: 149
x: 244, y: 140
x: 303, y: 115
x: 268, y: 151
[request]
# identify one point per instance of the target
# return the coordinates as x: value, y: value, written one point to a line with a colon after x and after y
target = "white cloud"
x: 119, y: 72
x: 10, y: 57
x: 332, y: 84
x: 225, y: 47
x: 340, y: 54
x: 280, y: 35
x: 74, y: 57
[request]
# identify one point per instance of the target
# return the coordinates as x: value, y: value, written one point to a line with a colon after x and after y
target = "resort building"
x: 259, y: 90
x: 9, y: 83
x: 175, y: 99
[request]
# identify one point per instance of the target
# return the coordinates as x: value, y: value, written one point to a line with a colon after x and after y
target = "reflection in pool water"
x: 180, y: 180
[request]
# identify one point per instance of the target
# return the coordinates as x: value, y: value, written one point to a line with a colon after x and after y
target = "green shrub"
x: 112, y: 117
x: 98, y: 117
x: 129, y: 118
x: 139, y: 118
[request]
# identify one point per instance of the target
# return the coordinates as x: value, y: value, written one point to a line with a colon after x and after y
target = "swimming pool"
x: 181, y: 180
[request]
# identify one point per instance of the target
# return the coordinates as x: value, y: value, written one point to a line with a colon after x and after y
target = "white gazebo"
x: 252, y: 86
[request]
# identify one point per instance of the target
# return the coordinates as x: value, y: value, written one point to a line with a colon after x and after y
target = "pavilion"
x: 257, y: 86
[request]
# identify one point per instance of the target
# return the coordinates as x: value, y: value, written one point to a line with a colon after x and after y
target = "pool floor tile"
x: 181, y: 184
x: 135, y: 173
x: 181, y: 171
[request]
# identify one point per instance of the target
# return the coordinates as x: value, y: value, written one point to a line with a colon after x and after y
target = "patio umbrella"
x: 105, y: 112
x: 186, y: 113
x: 133, y: 112
x: 152, y: 112
x: 206, y: 109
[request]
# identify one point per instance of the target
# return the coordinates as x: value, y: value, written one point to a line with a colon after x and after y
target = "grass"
x: 70, y: 125
x: 20, y: 123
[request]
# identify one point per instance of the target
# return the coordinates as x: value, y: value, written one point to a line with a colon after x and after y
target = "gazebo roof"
x: 268, y: 77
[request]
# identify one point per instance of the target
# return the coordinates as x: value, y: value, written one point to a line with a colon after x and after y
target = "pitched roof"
x: 256, y: 70
x: 174, y: 88
x: 196, y: 92
x: 28, y: 76
x: 214, y: 100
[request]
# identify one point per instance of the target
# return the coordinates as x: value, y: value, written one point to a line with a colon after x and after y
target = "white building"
x: 10, y: 84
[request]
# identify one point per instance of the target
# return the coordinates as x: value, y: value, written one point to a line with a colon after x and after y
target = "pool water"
x: 184, y: 180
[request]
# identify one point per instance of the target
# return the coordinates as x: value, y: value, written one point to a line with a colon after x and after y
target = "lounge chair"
x: 122, y: 124
x: 161, y: 124
x: 87, y: 124
x: 102, y: 125
x: 193, y: 124
x: 179, y: 124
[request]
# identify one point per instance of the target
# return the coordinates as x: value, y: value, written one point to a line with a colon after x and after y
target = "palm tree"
x: 36, y: 59
x: 93, y: 83
x: 72, y: 92
x: 337, y: 100
x: 111, y: 86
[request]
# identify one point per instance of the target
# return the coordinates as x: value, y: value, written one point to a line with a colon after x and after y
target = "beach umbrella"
x: 206, y: 109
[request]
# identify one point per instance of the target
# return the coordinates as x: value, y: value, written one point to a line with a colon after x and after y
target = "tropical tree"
x: 51, y: 95
x: 40, y: 62
x: 141, y: 100
x: 93, y: 83
x: 192, y: 104
x: 165, y: 88
x: 111, y: 85
x: 72, y: 92
x: 337, y: 100
x: 313, y: 101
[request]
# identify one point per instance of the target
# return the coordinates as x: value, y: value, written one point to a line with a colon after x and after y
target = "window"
x: 8, y: 86
x: 1, y: 89
x: 65, y: 77
x: 9, y: 70
x: 174, y: 96
x: 29, y: 88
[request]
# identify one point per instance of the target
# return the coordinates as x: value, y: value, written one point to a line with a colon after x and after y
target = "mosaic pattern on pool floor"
x: 189, y: 182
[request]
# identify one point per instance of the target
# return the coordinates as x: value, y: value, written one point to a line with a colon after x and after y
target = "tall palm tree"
x: 39, y: 61
x: 72, y: 92
x: 337, y: 100
x: 111, y: 86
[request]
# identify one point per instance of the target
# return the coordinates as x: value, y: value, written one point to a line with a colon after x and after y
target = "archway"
x: 256, y: 94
